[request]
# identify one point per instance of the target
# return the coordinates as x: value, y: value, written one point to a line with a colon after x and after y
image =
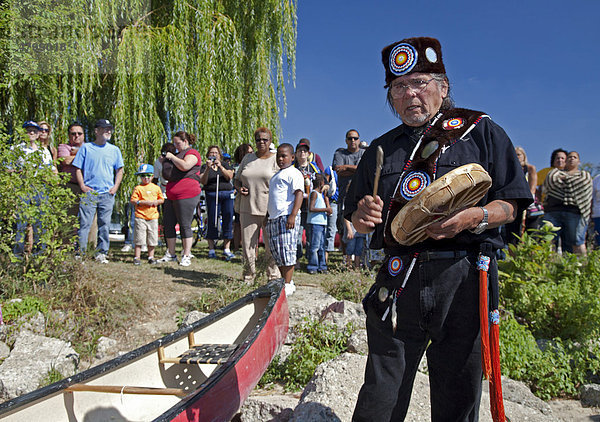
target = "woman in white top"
x: 252, y: 183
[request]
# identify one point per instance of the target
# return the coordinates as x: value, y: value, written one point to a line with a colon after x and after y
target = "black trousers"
x: 437, y: 313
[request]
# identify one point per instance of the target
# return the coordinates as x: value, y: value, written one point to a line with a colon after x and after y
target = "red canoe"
x: 203, y: 372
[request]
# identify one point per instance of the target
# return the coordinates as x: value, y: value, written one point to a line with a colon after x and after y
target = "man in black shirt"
x: 426, y: 295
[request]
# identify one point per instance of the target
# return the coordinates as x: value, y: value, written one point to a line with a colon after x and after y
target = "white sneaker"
x: 168, y: 258
x: 290, y: 288
x: 186, y: 260
x: 144, y: 248
x: 101, y: 258
x: 126, y: 248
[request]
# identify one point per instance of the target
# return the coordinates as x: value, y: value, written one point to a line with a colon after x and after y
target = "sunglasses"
x: 44, y: 130
x: 353, y: 138
x: 76, y: 133
x: 262, y: 140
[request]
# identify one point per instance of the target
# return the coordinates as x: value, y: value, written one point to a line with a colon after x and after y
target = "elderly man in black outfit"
x: 436, y: 312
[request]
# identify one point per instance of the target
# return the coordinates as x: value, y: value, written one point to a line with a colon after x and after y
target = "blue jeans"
x: 131, y: 224
x: 567, y: 221
x: 438, y: 312
x: 91, y: 204
x: 316, y: 256
x: 225, y: 208
x: 331, y: 228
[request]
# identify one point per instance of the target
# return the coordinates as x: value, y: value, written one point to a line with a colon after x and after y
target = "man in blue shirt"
x: 99, y: 173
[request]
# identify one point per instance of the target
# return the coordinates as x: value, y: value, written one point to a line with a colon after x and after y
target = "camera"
x: 212, y: 159
x: 163, y: 154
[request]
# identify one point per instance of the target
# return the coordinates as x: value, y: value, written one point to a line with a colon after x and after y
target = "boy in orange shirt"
x: 146, y: 197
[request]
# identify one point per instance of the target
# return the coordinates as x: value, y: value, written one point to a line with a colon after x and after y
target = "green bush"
x: 556, y: 296
x: 556, y: 371
x: 316, y: 342
x: 21, y: 183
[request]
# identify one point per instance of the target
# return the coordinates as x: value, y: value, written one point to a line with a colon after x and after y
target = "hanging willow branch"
x: 214, y: 68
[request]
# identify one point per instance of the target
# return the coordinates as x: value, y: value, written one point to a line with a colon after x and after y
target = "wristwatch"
x: 481, y: 227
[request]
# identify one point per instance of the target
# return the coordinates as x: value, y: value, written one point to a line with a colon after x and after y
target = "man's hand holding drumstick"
x: 369, y: 208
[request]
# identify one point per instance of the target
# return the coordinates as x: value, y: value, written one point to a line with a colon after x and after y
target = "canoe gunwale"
x: 273, y: 290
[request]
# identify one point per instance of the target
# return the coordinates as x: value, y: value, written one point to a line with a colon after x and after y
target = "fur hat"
x: 421, y: 54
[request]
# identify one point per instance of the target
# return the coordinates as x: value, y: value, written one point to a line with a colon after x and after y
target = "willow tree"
x: 214, y: 68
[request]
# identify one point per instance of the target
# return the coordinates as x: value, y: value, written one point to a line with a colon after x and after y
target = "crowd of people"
x: 237, y: 197
x: 565, y: 196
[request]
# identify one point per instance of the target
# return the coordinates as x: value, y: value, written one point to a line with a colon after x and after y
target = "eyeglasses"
x: 352, y: 138
x: 44, y: 130
x: 262, y: 140
x: 416, y: 85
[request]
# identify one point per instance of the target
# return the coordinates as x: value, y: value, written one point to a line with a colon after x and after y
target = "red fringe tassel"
x: 483, y: 321
x: 495, y: 381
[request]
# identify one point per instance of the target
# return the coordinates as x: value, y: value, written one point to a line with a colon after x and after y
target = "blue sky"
x: 533, y: 66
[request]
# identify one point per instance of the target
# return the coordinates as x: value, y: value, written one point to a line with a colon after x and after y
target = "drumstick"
x: 378, y: 165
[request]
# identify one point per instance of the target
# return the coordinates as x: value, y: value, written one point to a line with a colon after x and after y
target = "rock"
x: 105, y: 347
x: 4, y: 350
x: 518, y: 392
x: 308, y: 302
x: 420, y: 407
x: 314, y: 412
x: 332, y: 390
x: 36, y: 323
x: 590, y: 395
x: 273, y: 408
x: 423, y: 365
x: 193, y: 317
x: 4, y: 332
x: 331, y: 395
x: 357, y: 343
x: 343, y: 312
x: 32, y: 357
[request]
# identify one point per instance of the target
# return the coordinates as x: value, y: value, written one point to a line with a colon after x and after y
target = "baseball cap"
x: 303, y: 143
x: 103, y: 123
x: 145, y: 169
x: 31, y: 123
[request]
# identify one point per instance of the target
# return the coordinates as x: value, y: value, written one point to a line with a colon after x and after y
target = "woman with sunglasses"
x: 45, y: 132
x: 252, y: 183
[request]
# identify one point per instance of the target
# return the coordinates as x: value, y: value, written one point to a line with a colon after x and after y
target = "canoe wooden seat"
x: 200, y: 353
